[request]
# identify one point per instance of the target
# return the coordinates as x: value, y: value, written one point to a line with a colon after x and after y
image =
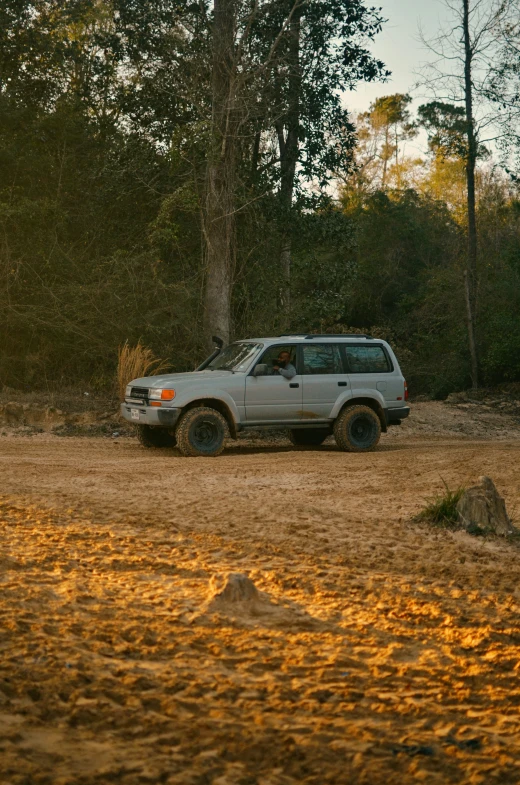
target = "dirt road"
x: 379, y: 651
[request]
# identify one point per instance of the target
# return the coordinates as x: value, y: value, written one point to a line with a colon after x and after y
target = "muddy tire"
x: 149, y: 436
x: 357, y: 429
x: 201, y: 431
x: 308, y: 437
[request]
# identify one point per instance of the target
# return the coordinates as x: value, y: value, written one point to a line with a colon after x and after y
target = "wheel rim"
x: 362, y: 430
x: 205, y: 435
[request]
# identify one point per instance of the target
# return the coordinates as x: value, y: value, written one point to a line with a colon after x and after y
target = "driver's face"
x: 284, y: 357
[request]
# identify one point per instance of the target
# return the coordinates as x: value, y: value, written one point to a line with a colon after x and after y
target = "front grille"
x: 140, y: 392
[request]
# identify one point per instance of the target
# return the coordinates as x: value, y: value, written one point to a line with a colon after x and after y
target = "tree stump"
x: 482, y: 510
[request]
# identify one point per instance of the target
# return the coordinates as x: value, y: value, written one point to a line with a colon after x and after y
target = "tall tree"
x: 469, y: 46
x: 471, y: 273
x: 287, y: 131
x: 219, y: 216
x: 283, y: 70
x: 381, y: 133
x: 232, y: 109
x: 503, y: 88
x: 451, y: 136
x: 325, y: 53
x: 389, y: 118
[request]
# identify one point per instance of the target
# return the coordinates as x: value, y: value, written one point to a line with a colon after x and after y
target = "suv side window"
x: 367, y: 359
x: 321, y: 358
x: 271, y: 354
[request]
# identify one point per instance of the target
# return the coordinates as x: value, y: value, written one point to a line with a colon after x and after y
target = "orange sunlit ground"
x: 379, y: 651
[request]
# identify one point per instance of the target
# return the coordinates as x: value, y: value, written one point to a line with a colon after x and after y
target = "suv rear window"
x: 367, y: 359
x: 322, y: 358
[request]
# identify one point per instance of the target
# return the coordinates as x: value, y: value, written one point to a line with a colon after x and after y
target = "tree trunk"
x: 471, y: 331
x: 471, y: 274
x: 289, y: 150
x: 397, y: 173
x: 285, y: 264
x: 255, y: 157
x: 385, y: 158
x: 219, y: 220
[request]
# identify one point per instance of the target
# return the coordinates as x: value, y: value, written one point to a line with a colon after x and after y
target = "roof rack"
x: 327, y: 335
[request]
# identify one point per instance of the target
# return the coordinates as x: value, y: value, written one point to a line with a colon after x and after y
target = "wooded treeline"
x: 150, y: 168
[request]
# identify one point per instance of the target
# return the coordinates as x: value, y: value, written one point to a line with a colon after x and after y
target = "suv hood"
x: 169, y: 380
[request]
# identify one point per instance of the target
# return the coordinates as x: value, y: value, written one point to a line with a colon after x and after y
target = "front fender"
x: 215, y: 395
x: 349, y: 395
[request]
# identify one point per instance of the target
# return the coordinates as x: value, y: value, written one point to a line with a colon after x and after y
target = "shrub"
x: 441, y: 510
x: 136, y: 361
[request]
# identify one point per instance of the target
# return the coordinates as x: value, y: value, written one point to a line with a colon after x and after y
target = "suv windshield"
x: 235, y: 357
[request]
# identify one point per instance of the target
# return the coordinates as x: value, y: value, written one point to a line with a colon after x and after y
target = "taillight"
x: 405, y: 391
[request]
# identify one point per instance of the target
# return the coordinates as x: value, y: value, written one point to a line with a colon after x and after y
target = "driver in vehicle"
x: 283, y: 365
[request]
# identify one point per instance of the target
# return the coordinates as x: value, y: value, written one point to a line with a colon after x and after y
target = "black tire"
x: 201, y: 431
x: 149, y: 436
x: 308, y: 437
x: 357, y: 429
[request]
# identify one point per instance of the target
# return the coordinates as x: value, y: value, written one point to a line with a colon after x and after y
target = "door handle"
x: 294, y: 384
x: 342, y: 384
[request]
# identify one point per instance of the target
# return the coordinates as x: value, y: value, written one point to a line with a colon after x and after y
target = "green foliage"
x: 323, y: 267
x: 447, y: 127
x: 447, y: 130
x: 499, y: 220
x: 441, y: 510
x: 341, y: 31
x: 79, y: 269
x: 104, y: 117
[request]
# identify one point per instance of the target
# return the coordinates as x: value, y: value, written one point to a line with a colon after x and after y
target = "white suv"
x: 314, y: 385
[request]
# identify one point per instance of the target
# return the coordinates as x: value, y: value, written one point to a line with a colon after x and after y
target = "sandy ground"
x: 380, y: 651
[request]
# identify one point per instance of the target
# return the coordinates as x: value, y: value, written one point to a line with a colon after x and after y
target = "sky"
x: 399, y: 47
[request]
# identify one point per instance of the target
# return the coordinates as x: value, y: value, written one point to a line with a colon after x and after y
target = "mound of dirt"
x: 237, y: 588
x: 17, y: 414
x: 461, y: 418
x: 235, y: 595
x: 33, y: 418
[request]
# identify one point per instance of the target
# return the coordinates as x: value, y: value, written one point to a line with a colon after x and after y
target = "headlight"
x: 157, y: 394
x: 128, y: 391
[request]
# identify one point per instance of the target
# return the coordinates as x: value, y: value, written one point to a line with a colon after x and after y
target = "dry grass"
x: 136, y: 361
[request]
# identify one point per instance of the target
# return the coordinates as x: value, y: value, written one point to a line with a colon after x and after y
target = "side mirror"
x: 260, y: 370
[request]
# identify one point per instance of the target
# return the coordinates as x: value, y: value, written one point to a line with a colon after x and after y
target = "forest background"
x: 110, y: 142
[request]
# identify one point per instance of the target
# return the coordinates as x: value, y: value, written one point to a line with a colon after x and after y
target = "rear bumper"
x: 394, y: 416
x: 150, y: 415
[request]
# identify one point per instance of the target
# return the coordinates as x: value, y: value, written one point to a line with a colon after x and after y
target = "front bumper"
x: 150, y: 415
x: 394, y: 416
